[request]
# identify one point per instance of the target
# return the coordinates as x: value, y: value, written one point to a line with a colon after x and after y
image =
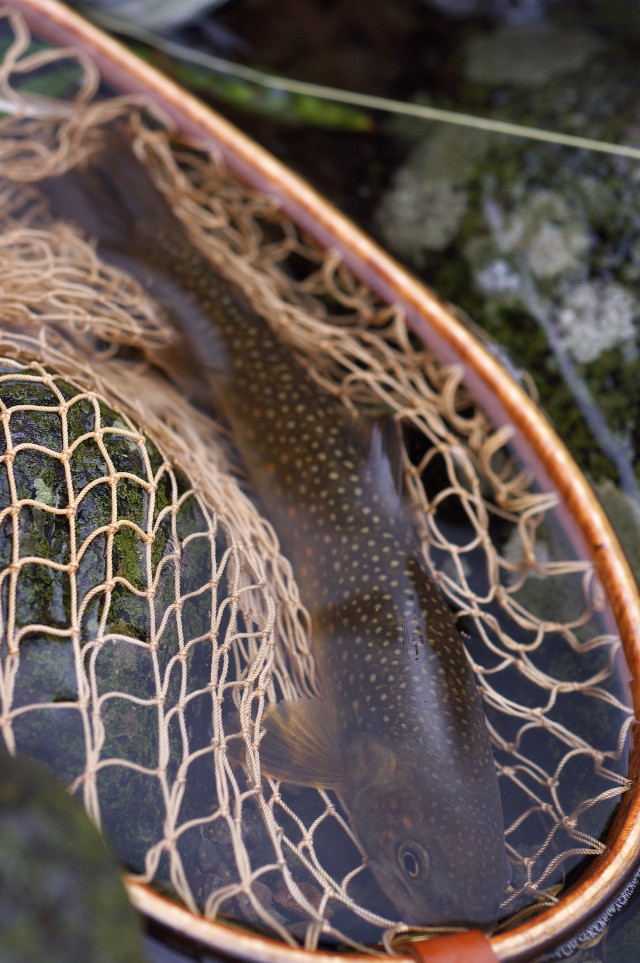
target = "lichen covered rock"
x: 536, y: 241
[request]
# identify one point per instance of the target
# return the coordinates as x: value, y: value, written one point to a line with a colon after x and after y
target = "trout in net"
x: 398, y: 730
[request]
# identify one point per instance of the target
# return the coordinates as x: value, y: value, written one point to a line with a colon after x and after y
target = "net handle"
x: 471, y: 946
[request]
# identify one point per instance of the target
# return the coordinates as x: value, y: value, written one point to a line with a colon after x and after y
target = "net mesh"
x: 148, y: 617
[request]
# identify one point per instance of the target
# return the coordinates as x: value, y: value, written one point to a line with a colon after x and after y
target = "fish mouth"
x: 399, y: 893
x: 431, y: 909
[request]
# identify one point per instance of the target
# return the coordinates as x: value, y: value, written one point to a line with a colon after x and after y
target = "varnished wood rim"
x: 502, y: 399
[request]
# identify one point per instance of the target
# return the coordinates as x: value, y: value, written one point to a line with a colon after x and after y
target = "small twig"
x: 353, y: 98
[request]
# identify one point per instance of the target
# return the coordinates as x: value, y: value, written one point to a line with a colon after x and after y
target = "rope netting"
x: 148, y: 617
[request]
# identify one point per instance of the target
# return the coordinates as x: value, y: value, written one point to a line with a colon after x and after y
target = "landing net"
x: 148, y: 617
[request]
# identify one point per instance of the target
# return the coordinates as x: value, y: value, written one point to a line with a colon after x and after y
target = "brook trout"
x: 398, y: 730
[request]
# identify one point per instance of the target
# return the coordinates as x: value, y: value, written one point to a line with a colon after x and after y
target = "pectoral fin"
x: 301, y: 744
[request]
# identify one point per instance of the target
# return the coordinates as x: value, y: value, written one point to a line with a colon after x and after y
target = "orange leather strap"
x: 471, y: 946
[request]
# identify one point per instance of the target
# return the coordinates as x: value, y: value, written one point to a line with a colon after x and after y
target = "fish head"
x: 438, y: 855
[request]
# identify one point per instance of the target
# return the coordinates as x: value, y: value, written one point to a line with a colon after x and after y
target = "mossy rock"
x: 61, y: 893
x: 106, y: 594
x: 537, y: 242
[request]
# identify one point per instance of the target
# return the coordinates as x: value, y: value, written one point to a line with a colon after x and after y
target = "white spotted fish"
x: 398, y: 730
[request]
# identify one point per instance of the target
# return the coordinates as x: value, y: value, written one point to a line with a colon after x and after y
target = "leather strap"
x: 472, y: 946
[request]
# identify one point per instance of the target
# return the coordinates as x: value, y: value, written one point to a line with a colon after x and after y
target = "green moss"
x: 129, y: 612
x: 129, y: 557
x: 133, y: 501
x: 92, y: 565
x: 49, y: 423
x: 44, y: 534
x: 17, y: 391
x: 87, y: 464
x: 94, y: 511
x: 125, y: 455
x: 43, y: 596
x: 572, y: 427
x: 80, y: 418
x: 615, y: 382
x: 38, y: 474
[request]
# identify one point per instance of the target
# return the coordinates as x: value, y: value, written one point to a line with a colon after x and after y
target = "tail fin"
x: 112, y: 197
x: 114, y: 200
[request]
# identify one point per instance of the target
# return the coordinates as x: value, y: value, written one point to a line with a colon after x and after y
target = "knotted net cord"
x: 172, y: 617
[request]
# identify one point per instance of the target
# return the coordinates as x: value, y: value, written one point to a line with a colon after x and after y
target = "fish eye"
x: 413, y: 860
